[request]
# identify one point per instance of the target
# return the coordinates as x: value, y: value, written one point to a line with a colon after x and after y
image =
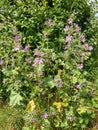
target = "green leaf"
x: 50, y: 82
x: 15, y: 99
x: 57, y: 123
x: 74, y: 80
x: 82, y: 110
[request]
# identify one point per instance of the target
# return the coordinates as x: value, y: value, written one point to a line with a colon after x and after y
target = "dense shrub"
x: 44, y: 59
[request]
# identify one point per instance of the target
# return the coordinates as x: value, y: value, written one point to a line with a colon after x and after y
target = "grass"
x: 10, y: 118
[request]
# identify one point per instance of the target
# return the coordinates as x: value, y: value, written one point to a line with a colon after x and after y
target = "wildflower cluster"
x: 54, y: 73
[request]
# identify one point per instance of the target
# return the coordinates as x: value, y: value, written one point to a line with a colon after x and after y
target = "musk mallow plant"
x: 52, y: 78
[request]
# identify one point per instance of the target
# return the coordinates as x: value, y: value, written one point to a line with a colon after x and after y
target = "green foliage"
x: 15, y: 98
x: 45, y: 58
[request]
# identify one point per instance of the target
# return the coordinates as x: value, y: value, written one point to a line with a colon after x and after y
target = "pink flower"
x: 26, y: 49
x: 66, y: 28
x: 45, y: 34
x: 37, y: 61
x: 45, y: 115
x: 1, y: 62
x: 80, y: 66
x: 90, y: 48
x: 69, y: 117
x: 12, y: 64
x: 43, y: 92
x: 42, y: 54
x: 76, y: 52
x: 17, y: 38
x: 56, y: 79
x: 60, y: 85
x: 77, y: 27
x: 78, y: 86
x: 29, y: 60
x: 36, y: 52
x: 48, y: 22
x: 70, y: 20
x: 16, y: 47
x: 68, y: 38
x: 83, y: 38
x: 83, y: 53
x: 81, y: 59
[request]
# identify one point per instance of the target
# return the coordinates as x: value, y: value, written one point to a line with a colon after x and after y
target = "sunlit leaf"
x: 30, y: 106
x: 82, y: 110
x: 15, y: 98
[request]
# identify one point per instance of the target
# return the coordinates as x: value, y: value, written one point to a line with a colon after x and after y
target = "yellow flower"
x: 30, y: 106
x: 58, y: 105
